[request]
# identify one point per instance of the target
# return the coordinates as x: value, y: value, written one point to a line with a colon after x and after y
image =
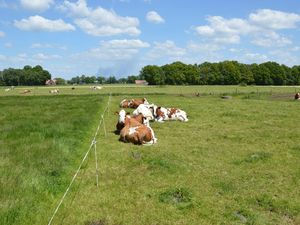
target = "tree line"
x: 221, y: 73
x: 176, y: 73
x: 26, y: 76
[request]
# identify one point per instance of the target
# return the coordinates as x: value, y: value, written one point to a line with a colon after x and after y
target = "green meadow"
x: 236, y: 161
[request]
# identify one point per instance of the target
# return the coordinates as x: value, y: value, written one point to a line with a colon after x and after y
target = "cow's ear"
x: 159, y: 107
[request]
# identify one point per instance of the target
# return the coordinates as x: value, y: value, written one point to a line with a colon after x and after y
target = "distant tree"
x: 131, y: 79
x: 295, y: 75
x: 262, y: 75
x: 154, y: 75
x: 101, y: 80
x: 246, y: 74
x: 122, y: 80
x: 174, y: 73
x: 2, y: 83
x: 230, y: 71
x: 277, y: 73
x: 60, y: 81
x: 111, y: 80
x: 11, y: 76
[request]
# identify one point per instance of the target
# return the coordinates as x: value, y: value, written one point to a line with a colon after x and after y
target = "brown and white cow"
x: 163, y: 114
x: 147, y: 110
x: 125, y: 103
x: 54, y: 91
x: 139, y: 134
x: 25, y: 91
x: 297, y: 96
x: 133, y: 121
x: 136, y: 102
x: 133, y: 103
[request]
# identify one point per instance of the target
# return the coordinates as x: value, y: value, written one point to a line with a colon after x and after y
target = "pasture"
x: 237, y: 161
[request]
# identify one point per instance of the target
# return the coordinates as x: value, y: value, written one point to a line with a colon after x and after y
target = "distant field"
x: 236, y: 161
x: 135, y: 89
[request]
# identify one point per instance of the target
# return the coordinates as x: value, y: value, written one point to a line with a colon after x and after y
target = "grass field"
x: 150, y: 90
x: 236, y: 161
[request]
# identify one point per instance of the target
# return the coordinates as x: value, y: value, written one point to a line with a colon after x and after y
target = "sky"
x: 118, y: 37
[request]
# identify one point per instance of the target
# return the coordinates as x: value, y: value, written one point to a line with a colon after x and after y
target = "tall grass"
x: 41, y: 142
x: 237, y: 161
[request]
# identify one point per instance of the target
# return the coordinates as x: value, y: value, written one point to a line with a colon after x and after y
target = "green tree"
x: 60, y: 81
x: 154, y: 75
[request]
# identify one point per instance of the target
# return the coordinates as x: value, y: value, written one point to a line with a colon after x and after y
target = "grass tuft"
x: 181, y: 197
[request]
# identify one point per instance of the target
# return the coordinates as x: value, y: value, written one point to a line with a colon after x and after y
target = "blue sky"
x: 119, y: 37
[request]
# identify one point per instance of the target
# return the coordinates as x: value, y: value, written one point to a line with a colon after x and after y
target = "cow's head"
x: 122, y: 115
x: 145, y: 101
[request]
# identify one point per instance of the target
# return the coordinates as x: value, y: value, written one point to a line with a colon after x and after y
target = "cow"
x: 297, y: 96
x: 133, y: 121
x: 55, y: 91
x: 163, y: 114
x: 25, y: 91
x: 133, y: 103
x: 136, y: 102
x: 95, y: 88
x: 138, y: 134
x: 147, y: 110
x: 7, y: 89
x: 125, y: 103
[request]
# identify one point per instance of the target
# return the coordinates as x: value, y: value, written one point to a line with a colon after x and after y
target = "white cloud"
x: 114, y: 50
x: 38, y: 23
x: 271, y: 39
x: 273, y: 19
x: 36, y: 5
x: 125, y: 44
x: 42, y: 56
x: 100, y: 21
x: 8, y: 45
x: 226, y: 31
x: 261, y: 26
x: 47, y: 45
x: 2, y: 57
x: 154, y: 17
x: 168, y: 50
x: 256, y: 57
x: 2, y: 34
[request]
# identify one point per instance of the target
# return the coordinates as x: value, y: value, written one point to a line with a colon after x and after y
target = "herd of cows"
x: 136, y: 128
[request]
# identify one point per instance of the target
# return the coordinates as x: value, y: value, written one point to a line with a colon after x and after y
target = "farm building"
x: 141, y: 82
x: 50, y: 82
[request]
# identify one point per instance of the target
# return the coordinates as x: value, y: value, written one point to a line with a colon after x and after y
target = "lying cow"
x: 163, y: 114
x: 55, y: 91
x: 139, y: 134
x: 133, y: 103
x: 25, y: 91
x: 133, y: 121
x: 96, y: 88
x: 147, y: 110
x: 125, y: 103
x: 297, y: 96
x: 136, y: 102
